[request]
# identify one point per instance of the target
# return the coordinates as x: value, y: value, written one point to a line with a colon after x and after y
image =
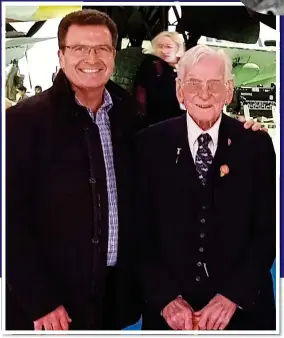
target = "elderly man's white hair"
x: 195, y: 54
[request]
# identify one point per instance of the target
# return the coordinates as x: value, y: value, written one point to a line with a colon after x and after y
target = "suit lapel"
x: 185, y: 169
x: 225, y: 149
x: 186, y: 166
x: 185, y: 174
x: 221, y: 154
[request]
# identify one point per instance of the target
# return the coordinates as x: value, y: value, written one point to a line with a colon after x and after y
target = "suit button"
x: 92, y: 180
x: 199, y: 264
x: 202, y: 220
x: 203, y: 207
x: 197, y: 279
x: 201, y: 249
x: 202, y: 235
x: 95, y: 240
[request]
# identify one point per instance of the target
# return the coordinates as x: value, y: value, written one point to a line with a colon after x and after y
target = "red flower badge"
x: 224, y: 170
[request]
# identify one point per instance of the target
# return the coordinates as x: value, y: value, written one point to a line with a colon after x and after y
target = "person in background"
x: 38, y: 90
x: 21, y: 93
x: 55, y: 73
x: 8, y: 103
x: 207, y: 262
x: 154, y: 85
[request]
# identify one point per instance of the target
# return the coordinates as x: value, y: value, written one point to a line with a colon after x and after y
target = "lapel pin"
x: 178, y: 153
x: 229, y: 142
x: 224, y: 170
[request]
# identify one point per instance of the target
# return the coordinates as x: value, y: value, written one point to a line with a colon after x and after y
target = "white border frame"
x: 277, y: 149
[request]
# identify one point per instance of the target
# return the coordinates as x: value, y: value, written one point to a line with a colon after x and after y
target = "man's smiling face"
x: 204, y: 89
x: 91, y: 70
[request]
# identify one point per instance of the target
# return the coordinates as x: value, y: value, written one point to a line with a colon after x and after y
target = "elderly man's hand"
x: 55, y: 320
x: 217, y: 314
x: 178, y: 314
x: 255, y: 126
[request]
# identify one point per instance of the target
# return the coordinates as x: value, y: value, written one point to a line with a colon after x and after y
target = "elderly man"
x: 206, y: 210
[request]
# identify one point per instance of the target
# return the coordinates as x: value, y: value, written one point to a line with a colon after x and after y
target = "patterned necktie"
x: 204, y: 157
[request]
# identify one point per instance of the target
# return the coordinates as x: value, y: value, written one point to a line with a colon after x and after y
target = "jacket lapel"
x: 226, y: 146
x: 185, y: 170
x: 186, y: 166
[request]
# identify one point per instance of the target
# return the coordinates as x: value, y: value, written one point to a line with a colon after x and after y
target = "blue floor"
x: 137, y: 326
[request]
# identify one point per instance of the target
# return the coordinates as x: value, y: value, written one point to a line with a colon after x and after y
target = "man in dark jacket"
x: 69, y: 191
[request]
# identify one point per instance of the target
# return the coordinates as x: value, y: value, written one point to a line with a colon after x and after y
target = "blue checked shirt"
x: 102, y: 121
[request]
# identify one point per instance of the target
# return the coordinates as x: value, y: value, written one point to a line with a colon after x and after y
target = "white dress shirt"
x: 194, y: 131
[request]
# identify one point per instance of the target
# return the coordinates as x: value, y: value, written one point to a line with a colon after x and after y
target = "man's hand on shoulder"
x: 217, y: 314
x: 251, y: 124
x: 55, y: 320
x: 178, y: 314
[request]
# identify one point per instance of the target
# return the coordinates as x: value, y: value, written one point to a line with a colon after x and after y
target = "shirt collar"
x: 106, y: 105
x: 107, y: 102
x: 194, y: 131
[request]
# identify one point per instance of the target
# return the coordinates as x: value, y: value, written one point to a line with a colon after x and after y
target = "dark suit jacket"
x: 229, y: 225
x: 56, y: 245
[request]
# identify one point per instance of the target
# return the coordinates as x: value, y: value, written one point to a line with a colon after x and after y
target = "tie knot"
x: 204, y: 139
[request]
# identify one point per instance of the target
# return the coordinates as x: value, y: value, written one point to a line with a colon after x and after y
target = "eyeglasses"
x: 82, y: 50
x: 213, y: 86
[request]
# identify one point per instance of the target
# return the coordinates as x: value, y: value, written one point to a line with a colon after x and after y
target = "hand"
x: 217, y: 314
x: 55, y: 320
x: 251, y: 124
x: 178, y: 314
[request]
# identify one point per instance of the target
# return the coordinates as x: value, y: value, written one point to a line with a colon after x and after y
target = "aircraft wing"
x: 251, y: 66
x: 17, y: 47
x: 37, y: 13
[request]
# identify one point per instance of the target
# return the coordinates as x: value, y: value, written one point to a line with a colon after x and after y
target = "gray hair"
x: 174, y: 36
x: 195, y: 54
